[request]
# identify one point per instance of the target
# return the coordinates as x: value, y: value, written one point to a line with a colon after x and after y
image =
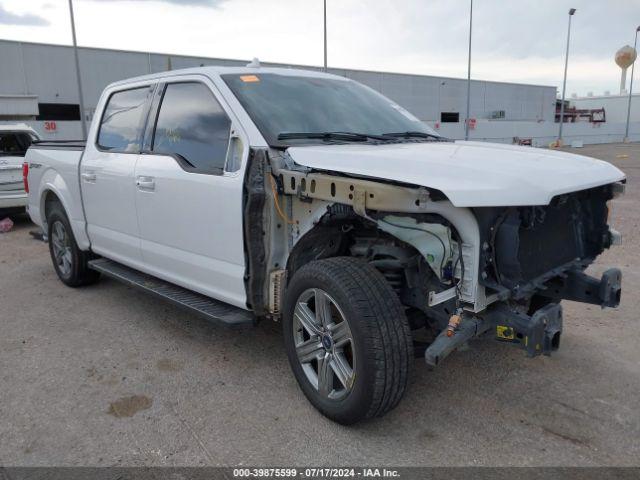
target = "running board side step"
x: 214, y: 310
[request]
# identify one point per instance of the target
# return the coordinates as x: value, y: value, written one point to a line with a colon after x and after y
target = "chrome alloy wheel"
x: 324, y: 344
x: 61, y: 243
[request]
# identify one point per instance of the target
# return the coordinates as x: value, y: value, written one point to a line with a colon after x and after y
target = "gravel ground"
x: 106, y: 375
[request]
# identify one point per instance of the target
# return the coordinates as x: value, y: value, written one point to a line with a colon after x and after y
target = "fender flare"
x: 53, y: 182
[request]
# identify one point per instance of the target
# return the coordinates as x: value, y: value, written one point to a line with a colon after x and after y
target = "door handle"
x: 89, y: 177
x: 145, y: 183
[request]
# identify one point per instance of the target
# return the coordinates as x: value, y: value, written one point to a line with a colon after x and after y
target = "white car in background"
x: 15, y: 139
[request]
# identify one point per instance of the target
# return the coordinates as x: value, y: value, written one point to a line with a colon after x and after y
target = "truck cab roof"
x: 216, y: 71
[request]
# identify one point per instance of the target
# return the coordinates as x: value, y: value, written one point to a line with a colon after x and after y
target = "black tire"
x: 382, y: 347
x: 77, y: 272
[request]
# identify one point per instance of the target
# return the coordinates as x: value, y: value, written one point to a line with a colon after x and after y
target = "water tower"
x: 625, y: 58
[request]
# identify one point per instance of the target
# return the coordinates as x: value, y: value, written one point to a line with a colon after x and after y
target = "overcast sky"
x: 513, y: 40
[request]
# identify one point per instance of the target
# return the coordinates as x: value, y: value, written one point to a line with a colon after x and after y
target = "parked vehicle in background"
x: 15, y: 139
x: 252, y: 193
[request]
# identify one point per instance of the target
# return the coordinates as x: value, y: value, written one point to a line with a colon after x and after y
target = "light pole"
x: 564, y: 81
x: 79, y: 80
x: 466, y: 123
x: 626, y: 131
x: 325, y: 35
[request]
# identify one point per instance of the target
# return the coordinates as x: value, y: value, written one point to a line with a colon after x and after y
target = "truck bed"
x: 54, y: 166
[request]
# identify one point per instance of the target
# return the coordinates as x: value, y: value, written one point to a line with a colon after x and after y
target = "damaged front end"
x: 536, y: 334
x: 532, y: 258
x: 460, y: 272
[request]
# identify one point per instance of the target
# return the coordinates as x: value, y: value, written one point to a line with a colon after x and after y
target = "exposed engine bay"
x: 459, y: 272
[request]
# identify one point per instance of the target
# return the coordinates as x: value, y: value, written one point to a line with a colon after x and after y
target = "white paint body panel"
x: 56, y: 171
x: 13, y: 200
x: 470, y: 174
x: 110, y: 205
x: 191, y: 228
x: 9, y: 161
x: 12, y: 192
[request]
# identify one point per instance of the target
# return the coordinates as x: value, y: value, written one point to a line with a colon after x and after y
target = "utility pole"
x: 325, y: 35
x: 75, y: 54
x: 564, y: 82
x: 626, y: 131
x: 466, y: 123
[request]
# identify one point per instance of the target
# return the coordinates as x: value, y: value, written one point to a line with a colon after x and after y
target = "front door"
x: 189, y: 207
x: 107, y: 178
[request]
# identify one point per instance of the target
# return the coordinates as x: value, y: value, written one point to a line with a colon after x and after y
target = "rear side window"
x: 193, y: 127
x: 122, y: 120
x: 14, y: 144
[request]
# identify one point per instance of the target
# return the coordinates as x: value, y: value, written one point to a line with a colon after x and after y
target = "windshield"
x: 282, y: 105
x: 14, y: 143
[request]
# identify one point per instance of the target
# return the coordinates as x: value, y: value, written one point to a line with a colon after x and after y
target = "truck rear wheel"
x: 347, y: 339
x: 69, y: 262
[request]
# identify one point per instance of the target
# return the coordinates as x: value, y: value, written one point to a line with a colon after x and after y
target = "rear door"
x: 190, y: 204
x: 107, y: 175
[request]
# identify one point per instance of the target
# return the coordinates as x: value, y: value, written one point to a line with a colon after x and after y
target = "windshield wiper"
x: 345, y: 136
x: 412, y: 135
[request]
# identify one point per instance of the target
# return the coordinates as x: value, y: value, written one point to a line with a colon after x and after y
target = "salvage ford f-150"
x: 303, y: 197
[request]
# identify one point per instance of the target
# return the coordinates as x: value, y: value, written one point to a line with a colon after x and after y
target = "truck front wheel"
x: 347, y: 338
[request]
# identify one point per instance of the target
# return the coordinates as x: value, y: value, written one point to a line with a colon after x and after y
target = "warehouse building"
x: 615, y: 106
x: 38, y: 85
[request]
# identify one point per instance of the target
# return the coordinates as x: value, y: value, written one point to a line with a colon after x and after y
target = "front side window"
x: 14, y: 144
x: 192, y: 126
x: 121, y: 125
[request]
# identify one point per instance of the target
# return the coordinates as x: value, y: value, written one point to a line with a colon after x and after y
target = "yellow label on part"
x: 507, y: 333
x: 249, y: 78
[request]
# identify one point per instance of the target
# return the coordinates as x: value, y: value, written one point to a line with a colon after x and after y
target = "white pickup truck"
x: 261, y: 193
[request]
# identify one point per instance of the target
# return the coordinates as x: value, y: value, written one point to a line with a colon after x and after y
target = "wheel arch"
x: 331, y: 234
x: 335, y: 230
x: 50, y: 193
x: 320, y: 242
x: 47, y: 200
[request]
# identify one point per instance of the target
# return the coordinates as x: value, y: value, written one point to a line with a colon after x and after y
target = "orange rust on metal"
x: 454, y: 322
